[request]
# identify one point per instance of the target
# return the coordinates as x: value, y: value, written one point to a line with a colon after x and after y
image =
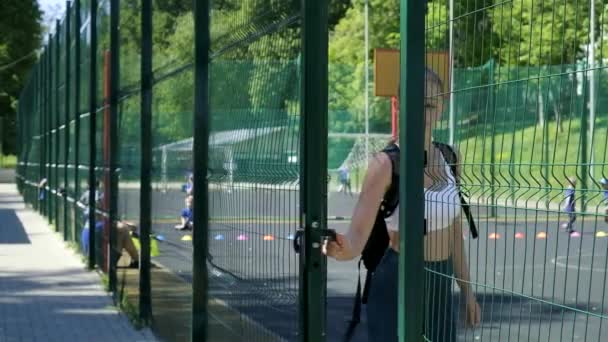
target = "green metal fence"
x: 229, y: 101
x: 107, y: 145
x: 527, y: 111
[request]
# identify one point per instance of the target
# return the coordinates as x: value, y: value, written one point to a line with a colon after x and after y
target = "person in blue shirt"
x: 344, y: 177
x: 123, y: 238
x: 187, y: 216
x: 188, y: 188
x: 570, y: 205
x: 42, y: 189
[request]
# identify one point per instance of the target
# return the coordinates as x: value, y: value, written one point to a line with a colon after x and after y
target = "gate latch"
x: 329, y: 234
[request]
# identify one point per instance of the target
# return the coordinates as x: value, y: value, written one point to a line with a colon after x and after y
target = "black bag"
x: 378, y: 241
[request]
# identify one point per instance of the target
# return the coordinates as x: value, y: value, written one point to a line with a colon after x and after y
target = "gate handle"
x: 329, y: 234
x: 297, y: 240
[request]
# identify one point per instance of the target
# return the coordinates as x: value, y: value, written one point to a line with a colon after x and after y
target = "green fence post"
x: 48, y: 118
x: 49, y: 129
x: 50, y: 125
x: 66, y: 109
x: 145, y: 206
x: 42, y: 117
x: 77, y: 24
x: 39, y: 117
x: 202, y: 45
x: 38, y: 175
x: 113, y: 143
x: 411, y: 183
x: 313, y: 170
x: 92, y: 128
x: 56, y: 198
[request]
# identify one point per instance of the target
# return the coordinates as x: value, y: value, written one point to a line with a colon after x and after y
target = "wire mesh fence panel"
x: 67, y: 126
x: 102, y: 136
x: 172, y: 120
x: 128, y: 133
x: 60, y: 147
x: 254, y: 169
x: 52, y: 126
x: 83, y: 122
x: 72, y: 192
x: 525, y: 105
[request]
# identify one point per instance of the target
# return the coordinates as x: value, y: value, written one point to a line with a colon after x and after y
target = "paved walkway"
x: 46, y: 294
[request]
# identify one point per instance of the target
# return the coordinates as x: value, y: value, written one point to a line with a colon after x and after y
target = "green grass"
x: 529, y: 167
x: 132, y: 312
x: 8, y: 161
x: 105, y: 281
x: 521, y: 170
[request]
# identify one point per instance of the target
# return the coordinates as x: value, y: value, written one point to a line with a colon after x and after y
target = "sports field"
x: 533, y: 281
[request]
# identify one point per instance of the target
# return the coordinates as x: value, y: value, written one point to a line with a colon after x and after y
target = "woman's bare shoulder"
x: 379, y: 169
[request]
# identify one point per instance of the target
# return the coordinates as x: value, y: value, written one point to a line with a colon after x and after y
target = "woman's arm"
x: 461, y: 267
x: 377, y: 180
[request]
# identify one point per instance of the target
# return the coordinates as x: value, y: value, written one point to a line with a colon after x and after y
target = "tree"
x: 347, y: 59
x: 539, y: 33
x: 21, y: 31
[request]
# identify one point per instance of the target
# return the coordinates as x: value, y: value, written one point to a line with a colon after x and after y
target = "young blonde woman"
x: 443, y: 243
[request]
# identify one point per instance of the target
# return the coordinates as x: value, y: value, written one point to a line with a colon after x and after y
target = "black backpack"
x: 379, y: 240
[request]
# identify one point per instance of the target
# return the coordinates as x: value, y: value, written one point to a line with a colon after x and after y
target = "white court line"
x: 557, y: 262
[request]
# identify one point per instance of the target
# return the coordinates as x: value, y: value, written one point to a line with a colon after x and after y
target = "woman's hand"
x: 340, y: 249
x: 473, y: 312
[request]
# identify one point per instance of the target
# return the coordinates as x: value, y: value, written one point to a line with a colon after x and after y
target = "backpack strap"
x: 451, y: 158
x: 391, y: 197
x: 356, y: 316
x: 377, y: 242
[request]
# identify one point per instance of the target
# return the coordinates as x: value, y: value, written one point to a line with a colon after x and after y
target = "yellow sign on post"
x: 387, y: 70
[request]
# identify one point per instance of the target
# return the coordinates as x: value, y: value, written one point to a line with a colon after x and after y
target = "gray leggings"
x: 382, y: 301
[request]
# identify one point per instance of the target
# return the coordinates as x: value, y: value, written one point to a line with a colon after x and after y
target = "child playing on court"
x: 188, y: 188
x: 570, y: 205
x: 187, y: 215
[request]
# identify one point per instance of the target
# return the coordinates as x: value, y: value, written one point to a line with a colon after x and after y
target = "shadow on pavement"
x: 11, y: 229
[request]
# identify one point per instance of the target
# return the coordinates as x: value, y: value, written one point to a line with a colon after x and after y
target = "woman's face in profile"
x: 433, y: 104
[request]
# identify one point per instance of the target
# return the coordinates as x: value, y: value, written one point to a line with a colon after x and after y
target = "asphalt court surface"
x: 533, y: 281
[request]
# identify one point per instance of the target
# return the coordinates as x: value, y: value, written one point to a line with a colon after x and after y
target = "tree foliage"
x: 21, y: 31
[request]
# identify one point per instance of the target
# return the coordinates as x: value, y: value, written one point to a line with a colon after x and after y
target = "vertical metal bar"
x: 202, y: 43
x: 56, y: 124
x: 21, y: 139
x: 584, y: 143
x: 41, y: 132
x: 43, y: 88
x: 113, y: 143
x: 92, y: 128
x: 49, y: 141
x: 49, y: 126
x: 366, y: 94
x: 77, y: 24
x: 452, y: 115
x: 492, y: 107
x: 66, y: 109
x: 145, y: 299
x: 591, y: 76
x: 545, y: 158
x: 411, y: 285
x: 313, y: 169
